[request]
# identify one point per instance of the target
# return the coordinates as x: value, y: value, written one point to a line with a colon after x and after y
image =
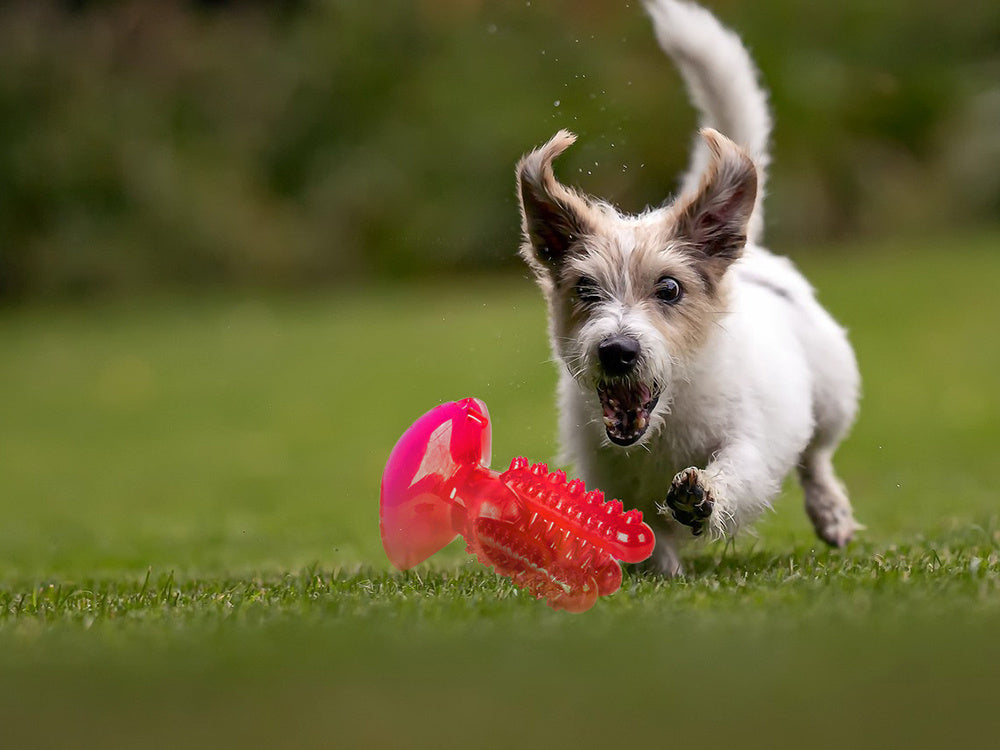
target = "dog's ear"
x: 553, y: 216
x: 714, y: 220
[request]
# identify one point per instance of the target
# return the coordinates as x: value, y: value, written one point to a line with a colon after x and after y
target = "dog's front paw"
x: 690, y: 500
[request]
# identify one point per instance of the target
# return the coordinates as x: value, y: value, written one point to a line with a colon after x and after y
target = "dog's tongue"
x: 626, y: 410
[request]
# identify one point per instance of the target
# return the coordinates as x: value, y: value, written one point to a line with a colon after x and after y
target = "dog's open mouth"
x: 627, y: 407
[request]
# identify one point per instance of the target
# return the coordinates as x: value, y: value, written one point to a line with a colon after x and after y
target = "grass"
x: 189, y: 549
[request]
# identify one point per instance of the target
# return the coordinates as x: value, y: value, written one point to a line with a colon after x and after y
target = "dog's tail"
x: 723, y: 84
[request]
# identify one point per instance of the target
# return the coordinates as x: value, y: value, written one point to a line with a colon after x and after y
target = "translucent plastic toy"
x: 549, y: 536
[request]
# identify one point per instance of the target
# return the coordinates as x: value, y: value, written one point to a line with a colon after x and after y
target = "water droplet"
x: 555, y: 103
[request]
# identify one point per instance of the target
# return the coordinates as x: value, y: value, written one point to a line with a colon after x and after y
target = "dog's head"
x: 631, y: 298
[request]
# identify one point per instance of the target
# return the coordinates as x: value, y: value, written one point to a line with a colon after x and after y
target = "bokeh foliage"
x: 145, y: 143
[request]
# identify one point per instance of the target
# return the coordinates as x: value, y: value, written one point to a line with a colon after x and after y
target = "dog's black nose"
x: 618, y: 354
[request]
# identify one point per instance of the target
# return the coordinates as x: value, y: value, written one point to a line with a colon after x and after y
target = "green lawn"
x: 189, y: 546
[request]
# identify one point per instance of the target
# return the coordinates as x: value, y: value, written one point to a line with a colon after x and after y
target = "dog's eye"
x: 587, y: 291
x: 668, y: 289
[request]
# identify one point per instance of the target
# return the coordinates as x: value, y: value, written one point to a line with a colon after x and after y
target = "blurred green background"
x: 153, y: 143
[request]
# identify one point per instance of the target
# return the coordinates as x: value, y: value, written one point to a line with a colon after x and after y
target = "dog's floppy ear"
x: 553, y: 216
x: 714, y: 220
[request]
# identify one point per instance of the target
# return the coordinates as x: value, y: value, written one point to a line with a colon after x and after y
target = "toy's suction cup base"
x: 418, y: 512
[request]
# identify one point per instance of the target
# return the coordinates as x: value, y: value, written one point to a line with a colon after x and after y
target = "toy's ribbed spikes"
x: 602, y: 523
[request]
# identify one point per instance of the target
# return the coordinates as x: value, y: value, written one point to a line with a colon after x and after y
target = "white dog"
x: 696, y: 368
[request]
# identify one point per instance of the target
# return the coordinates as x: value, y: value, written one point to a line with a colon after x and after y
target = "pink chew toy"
x: 549, y: 536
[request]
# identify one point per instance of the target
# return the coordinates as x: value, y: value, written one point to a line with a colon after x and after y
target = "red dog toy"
x: 548, y: 535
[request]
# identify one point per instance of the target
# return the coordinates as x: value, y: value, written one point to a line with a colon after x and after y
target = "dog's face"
x: 631, y: 298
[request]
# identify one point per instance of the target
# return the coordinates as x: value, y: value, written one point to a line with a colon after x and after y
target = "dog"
x: 696, y: 368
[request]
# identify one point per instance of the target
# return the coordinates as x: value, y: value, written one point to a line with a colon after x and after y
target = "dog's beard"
x: 627, y: 408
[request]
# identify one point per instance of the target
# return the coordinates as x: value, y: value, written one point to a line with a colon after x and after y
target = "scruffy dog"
x: 696, y: 369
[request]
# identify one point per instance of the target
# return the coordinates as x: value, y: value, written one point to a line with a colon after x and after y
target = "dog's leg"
x: 734, y: 487
x: 826, y: 501
x: 727, y: 492
x: 666, y: 558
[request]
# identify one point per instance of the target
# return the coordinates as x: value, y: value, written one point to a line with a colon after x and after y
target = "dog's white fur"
x: 754, y: 377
